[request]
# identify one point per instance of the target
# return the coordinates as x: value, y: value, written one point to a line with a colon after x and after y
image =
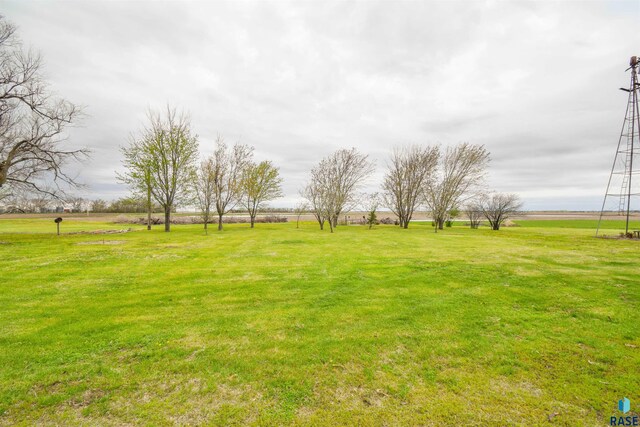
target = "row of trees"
x: 163, y: 164
x: 440, y: 181
x: 164, y: 168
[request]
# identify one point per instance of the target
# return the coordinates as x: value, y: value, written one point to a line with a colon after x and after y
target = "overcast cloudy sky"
x: 535, y: 81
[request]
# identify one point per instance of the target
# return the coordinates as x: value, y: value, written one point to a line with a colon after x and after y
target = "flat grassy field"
x: 530, y: 325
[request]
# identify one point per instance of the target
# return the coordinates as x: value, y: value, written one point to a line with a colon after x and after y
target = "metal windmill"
x: 624, y: 183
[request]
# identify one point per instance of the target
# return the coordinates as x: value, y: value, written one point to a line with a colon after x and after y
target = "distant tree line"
x: 122, y: 205
x: 34, y: 202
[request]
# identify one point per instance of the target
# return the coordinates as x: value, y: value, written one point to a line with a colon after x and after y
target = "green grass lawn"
x: 529, y: 325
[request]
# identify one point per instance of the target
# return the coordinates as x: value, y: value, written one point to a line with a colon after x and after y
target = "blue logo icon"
x: 624, y: 405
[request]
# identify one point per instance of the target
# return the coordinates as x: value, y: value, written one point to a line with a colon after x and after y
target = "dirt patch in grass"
x: 87, y: 398
x: 201, y: 404
x: 358, y: 397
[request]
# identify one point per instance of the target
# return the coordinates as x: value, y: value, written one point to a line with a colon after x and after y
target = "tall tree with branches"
x: 459, y: 177
x: 204, y: 189
x: 261, y: 183
x: 410, y: 169
x: 229, y: 166
x: 166, y: 154
x: 32, y: 122
x: 313, y: 194
x: 335, y: 181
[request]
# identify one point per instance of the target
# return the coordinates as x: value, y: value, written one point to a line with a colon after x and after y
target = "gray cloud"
x: 536, y: 82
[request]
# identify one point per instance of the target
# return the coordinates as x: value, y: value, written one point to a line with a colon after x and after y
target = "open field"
x: 530, y: 325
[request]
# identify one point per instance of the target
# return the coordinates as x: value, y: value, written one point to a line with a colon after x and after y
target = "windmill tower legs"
x: 623, y: 183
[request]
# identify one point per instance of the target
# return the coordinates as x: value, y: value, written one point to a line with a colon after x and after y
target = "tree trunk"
x: 206, y: 229
x: 440, y: 224
x: 253, y: 220
x: 167, y: 218
x: 219, y: 222
x: 331, y: 225
x: 149, y: 205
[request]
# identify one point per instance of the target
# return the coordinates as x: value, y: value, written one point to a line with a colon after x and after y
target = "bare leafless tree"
x: 16, y: 202
x: 77, y: 203
x: 204, y: 189
x: 299, y: 210
x: 410, y: 169
x: 260, y: 183
x: 459, y: 177
x: 313, y: 193
x: 166, y: 154
x: 32, y: 122
x: 42, y: 202
x: 229, y: 166
x: 335, y: 181
x: 498, y: 207
x: 473, y: 210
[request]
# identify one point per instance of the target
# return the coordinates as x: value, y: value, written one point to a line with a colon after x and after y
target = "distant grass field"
x: 530, y: 325
x: 611, y: 226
